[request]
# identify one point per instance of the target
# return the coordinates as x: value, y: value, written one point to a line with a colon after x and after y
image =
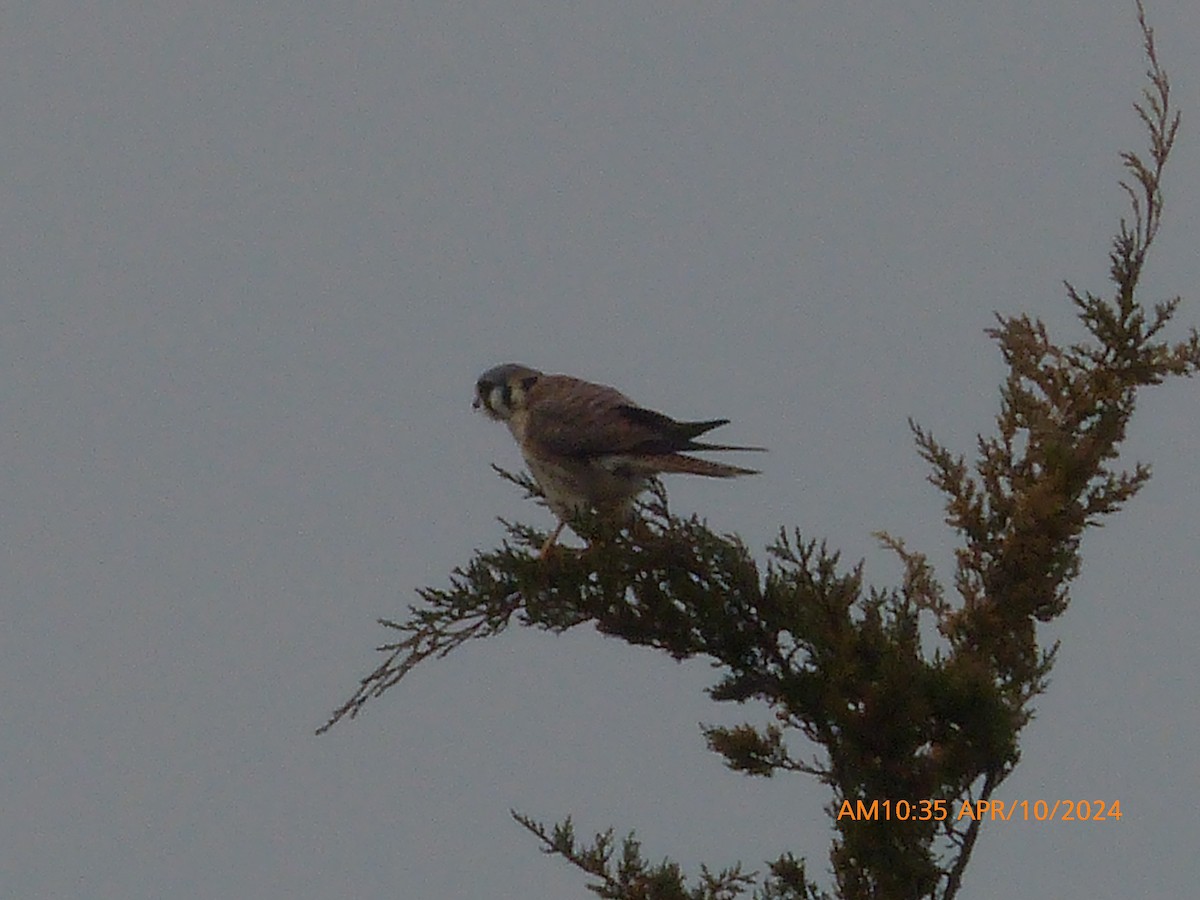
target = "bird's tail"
x: 690, y: 465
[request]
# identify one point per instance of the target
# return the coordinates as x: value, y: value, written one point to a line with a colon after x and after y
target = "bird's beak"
x: 478, y: 402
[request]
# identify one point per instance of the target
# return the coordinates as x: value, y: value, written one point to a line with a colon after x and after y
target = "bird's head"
x: 501, y: 391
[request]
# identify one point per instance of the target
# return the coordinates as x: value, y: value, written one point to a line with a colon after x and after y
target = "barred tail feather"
x: 690, y: 465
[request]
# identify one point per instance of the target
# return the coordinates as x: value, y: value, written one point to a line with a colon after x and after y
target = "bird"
x: 589, y: 446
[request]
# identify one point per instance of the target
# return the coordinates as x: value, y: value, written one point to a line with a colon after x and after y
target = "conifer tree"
x: 844, y: 667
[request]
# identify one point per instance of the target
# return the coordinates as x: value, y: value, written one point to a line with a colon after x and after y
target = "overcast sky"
x: 252, y: 259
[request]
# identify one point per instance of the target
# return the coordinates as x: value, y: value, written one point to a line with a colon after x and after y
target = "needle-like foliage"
x: 841, y: 666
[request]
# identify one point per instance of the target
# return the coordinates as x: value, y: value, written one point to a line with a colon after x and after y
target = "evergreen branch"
x: 844, y: 666
x: 630, y: 877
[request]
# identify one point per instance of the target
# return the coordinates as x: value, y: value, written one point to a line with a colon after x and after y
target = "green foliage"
x: 632, y: 878
x: 842, y: 667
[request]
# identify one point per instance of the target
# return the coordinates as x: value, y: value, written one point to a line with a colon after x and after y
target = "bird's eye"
x: 506, y: 396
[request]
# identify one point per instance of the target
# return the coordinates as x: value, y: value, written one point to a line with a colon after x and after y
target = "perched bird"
x: 590, y: 446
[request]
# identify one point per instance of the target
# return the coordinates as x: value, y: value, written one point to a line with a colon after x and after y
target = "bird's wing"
x: 578, y: 419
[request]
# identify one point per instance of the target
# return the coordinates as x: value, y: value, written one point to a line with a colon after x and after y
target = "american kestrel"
x: 590, y: 446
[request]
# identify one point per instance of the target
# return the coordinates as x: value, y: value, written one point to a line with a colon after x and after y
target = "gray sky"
x: 253, y: 260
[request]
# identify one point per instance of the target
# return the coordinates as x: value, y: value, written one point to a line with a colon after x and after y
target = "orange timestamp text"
x: 980, y: 810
